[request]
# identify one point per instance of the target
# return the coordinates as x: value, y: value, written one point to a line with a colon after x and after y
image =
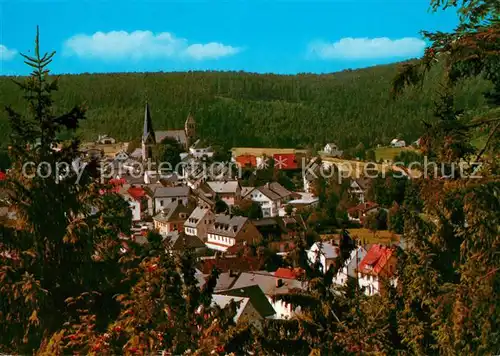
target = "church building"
x: 150, y: 137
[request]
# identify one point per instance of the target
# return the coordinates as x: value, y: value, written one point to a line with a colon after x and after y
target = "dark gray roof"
x: 224, y: 186
x: 269, y: 193
x: 257, y: 298
x: 267, y: 283
x: 279, y: 189
x: 173, y: 212
x: 181, y: 241
x: 178, y: 135
x: 165, y: 192
x: 226, y: 225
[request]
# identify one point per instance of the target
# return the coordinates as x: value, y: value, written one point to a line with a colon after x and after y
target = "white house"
x: 398, y: 143
x: 377, y: 268
x: 199, y: 150
x: 227, y: 191
x: 105, y: 140
x: 137, y: 199
x: 351, y: 266
x: 270, y: 197
x: 227, y: 231
x: 325, y: 252
x: 198, y: 222
x: 332, y: 149
x: 163, y: 196
x: 271, y: 286
x: 358, y: 189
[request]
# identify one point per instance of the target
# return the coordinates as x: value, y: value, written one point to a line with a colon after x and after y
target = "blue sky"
x: 284, y: 37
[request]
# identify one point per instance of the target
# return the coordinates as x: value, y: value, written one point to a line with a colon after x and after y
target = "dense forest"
x: 246, y: 109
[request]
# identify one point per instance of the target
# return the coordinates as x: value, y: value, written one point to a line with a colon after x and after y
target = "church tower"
x: 190, y: 129
x: 148, y: 135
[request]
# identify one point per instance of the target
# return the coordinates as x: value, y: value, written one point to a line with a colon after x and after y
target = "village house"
x: 198, y: 222
x: 360, y: 211
x: 228, y: 191
x: 332, y: 149
x: 228, y: 231
x: 171, y: 218
x: 262, y: 309
x: 325, y: 253
x: 179, y: 241
x: 358, y: 189
x: 270, y: 197
x: 163, y: 196
x: 200, y: 150
x: 271, y: 286
x: 377, y: 268
x: 350, y: 268
x: 398, y: 143
x: 105, y: 140
x: 244, y: 310
x: 140, y: 203
x: 302, y: 201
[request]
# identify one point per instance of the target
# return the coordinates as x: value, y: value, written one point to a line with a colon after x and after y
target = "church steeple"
x: 148, y: 131
x: 148, y: 135
x: 190, y: 129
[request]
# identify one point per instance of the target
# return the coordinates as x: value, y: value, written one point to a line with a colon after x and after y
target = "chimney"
x: 231, y: 273
x: 279, y: 283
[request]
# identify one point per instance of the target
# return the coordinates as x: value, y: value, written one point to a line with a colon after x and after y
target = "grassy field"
x: 366, y: 236
x: 356, y: 169
x: 389, y: 152
x: 369, y: 237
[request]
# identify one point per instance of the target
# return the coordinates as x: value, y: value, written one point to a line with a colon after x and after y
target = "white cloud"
x: 139, y: 45
x: 368, y: 48
x: 6, y: 54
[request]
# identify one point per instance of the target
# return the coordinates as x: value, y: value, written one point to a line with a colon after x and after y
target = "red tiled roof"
x: 247, y: 160
x: 288, y: 273
x: 237, y: 264
x: 377, y: 257
x: 136, y: 192
x: 286, y: 161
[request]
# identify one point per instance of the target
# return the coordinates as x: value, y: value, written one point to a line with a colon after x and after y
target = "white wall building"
x: 198, y: 222
x: 163, y: 196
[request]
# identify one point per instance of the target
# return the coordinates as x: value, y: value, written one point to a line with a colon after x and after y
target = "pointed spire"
x: 148, y: 125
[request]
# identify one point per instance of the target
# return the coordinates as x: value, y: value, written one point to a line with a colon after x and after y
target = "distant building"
x: 376, y: 268
x: 332, y: 149
x: 198, y: 222
x: 105, y: 140
x: 325, y: 253
x: 163, y: 196
x: 270, y: 197
x: 179, y: 241
x: 272, y: 286
x: 199, y: 150
x: 150, y: 138
x: 228, y: 231
x: 227, y: 191
x: 398, y: 143
x: 359, y: 212
x: 171, y: 218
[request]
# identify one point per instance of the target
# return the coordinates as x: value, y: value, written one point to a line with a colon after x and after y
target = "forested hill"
x: 245, y: 109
